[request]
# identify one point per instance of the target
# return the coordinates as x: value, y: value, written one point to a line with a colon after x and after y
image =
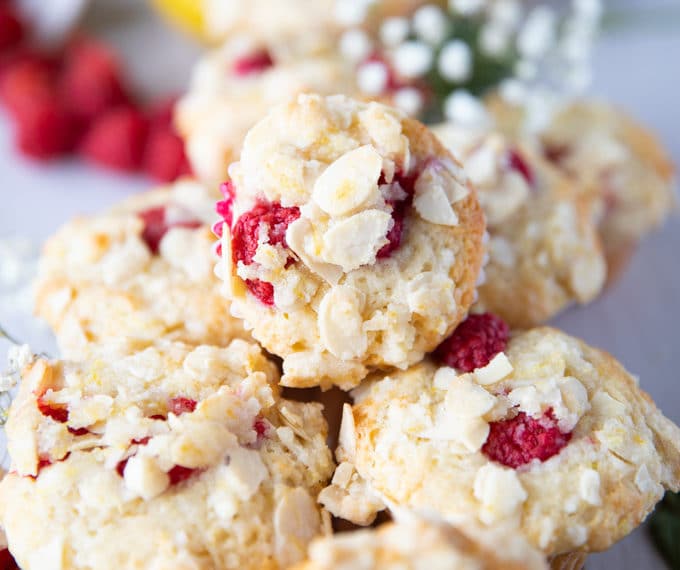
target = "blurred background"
x: 635, y: 66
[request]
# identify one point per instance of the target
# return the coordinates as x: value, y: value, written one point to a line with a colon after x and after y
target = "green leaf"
x: 665, y: 529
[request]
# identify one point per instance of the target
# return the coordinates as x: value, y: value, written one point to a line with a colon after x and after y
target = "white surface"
x: 637, y: 320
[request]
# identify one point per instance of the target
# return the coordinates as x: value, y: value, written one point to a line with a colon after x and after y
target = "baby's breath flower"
x: 430, y: 24
x: 537, y: 35
x: 409, y: 100
x: 412, y: 59
x: 355, y: 45
x: 372, y: 77
x: 393, y: 31
x: 466, y: 7
x: 455, y: 61
x: 466, y: 109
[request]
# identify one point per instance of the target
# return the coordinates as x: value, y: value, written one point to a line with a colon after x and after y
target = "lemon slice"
x: 187, y: 14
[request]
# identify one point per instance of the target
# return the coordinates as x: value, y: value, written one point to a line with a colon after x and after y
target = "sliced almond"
x: 340, y: 323
x: 349, y: 182
x: 436, y: 190
x: 355, y: 241
x: 301, y: 238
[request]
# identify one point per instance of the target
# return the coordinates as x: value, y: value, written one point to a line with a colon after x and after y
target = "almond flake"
x: 436, y: 190
x: 143, y: 476
x: 495, y: 371
x: 340, y: 323
x: 500, y: 492
x: 355, y: 241
x: 301, y: 238
x: 349, y: 182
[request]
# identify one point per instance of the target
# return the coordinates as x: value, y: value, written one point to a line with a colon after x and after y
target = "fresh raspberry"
x: 162, y: 112
x: 517, y: 162
x: 7, y: 561
x: 164, y: 157
x: 26, y: 79
x: 520, y: 440
x: 57, y: 413
x: 178, y: 474
x: 180, y: 405
x: 46, y: 129
x: 474, y: 342
x: 156, y: 226
x: 117, y: 139
x: 399, y: 211
x: 91, y: 82
x: 245, y: 236
x: 253, y: 63
x: 12, y: 30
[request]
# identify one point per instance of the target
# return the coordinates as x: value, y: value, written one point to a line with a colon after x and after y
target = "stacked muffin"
x: 357, y: 253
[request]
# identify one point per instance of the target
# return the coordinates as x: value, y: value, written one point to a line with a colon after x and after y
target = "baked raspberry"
x: 474, y: 342
x: 7, y: 561
x: 57, y: 413
x: 244, y: 241
x: 399, y: 210
x: 261, y: 290
x: 91, y: 82
x: 225, y: 208
x: 178, y: 474
x: 12, y: 29
x: 117, y: 139
x: 517, y: 162
x: 520, y: 440
x: 78, y: 431
x: 253, y: 63
x: 261, y: 427
x: 156, y: 225
x: 180, y: 405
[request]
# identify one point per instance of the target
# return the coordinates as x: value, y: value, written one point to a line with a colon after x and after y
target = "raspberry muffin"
x: 142, y: 270
x: 619, y: 163
x: 351, y: 241
x: 540, y: 432
x: 162, y: 455
x: 427, y: 545
x: 544, y: 249
x: 234, y: 86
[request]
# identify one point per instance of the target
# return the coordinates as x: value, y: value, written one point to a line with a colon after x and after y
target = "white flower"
x: 466, y: 109
x: 455, y: 61
x: 412, y: 59
x: 537, y: 35
x: 494, y: 39
x: 351, y: 12
x: 393, y: 31
x: 409, y: 100
x: 372, y: 77
x: 430, y: 24
x: 355, y: 45
x: 466, y: 7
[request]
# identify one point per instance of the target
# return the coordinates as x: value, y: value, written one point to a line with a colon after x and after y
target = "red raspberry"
x: 399, y: 211
x: 57, y: 413
x: 245, y: 236
x: 156, y: 226
x: 254, y: 63
x: 180, y: 405
x: 26, y: 79
x: 46, y: 130
x: 7, y: 561
x: 261, y: 427
x: 78, y: 431
x: 164, y: 158
x: 225, y: 208
x: 117, y: 139
x: 12, y: 29
x: 474, y: 342
x: 517, y: 162
x: 520, y: 440
x: 91, y: 83
x: 162, y: 112
x: 178, y: 474
x: 261, y: 290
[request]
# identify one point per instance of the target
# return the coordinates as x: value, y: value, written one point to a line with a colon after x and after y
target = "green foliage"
x: 665, y: 529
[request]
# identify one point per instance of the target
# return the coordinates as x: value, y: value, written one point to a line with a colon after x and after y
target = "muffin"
x: 420, y: 544
x: 162, y: 455
x: 544, y: 249
x: 615, y: 160
x: 142, y: 270
x: 352, y: 240
x: 235, y: 85
x: 547, y: 435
